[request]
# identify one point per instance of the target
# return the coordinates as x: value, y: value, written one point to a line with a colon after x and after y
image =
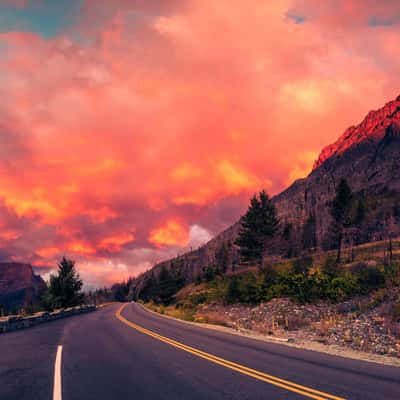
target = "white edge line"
x: 57, y: 375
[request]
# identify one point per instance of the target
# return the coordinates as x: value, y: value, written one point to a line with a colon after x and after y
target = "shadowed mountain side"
x: 367, y: 156
x: 19, y: 286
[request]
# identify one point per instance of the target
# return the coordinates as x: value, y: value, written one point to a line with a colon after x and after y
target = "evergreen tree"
x: 120, y: 291
x: 167, y: 286
x: 287, y: 231
x: 258, y: 224
x: 179, y: 276
x: 309, y: 233
x: 65, y: 287
x: 341, y: 212
x: 222, y: 258
x: 232, y: 292
x: 360, y: 214
x: 209, y: 273
x: 150, y: 288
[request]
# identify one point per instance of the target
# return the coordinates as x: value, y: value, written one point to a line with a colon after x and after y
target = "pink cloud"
x: 173, y: 113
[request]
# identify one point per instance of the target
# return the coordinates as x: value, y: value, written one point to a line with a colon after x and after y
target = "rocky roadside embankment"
x: 363, y: 324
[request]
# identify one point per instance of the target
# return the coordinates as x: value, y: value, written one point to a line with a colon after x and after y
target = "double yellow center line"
x: 261, y: 376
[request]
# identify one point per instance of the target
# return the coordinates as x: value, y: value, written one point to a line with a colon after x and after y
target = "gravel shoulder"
x: 293, y: 341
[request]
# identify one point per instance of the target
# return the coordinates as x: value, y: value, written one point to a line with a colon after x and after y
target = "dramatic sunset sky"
x: 131, y: 130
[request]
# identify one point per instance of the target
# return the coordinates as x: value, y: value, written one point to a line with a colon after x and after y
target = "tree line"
x: 258, y: 226
x: 302, y: 281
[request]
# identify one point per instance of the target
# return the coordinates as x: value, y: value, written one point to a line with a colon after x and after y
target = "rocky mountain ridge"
x: 371, y: 128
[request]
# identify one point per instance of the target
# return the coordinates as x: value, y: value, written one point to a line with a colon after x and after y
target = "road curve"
x: 118, y: 353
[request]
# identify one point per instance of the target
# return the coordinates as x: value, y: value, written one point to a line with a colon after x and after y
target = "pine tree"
x: 360, y: 214
x: 309, y: 233
x: 258, y: 224
x: 341, y: 212
x: 167, y: 285
x: 149, y: 290
x: 65, y: 287
x: 232, y: 291
x: 222, y: 258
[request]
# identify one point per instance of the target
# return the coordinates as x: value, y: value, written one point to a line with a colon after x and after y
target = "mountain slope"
x: 367, y: 155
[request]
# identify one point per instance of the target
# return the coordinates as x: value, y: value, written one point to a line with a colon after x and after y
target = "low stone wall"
x: 14, y: 322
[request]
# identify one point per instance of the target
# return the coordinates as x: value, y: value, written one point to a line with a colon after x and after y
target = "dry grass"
x: 211, y: 318
x: 187, y: 314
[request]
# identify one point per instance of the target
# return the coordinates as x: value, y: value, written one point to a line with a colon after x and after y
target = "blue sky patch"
x: 375, y: 21
x: 45, y: 17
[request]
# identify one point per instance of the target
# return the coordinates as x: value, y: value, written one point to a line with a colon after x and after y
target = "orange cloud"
x: 173, y: 233
x: 48, y: 252
x: 115, y: 243
x: 235, y: 179
x: 186, y: 172
x: 223, y: 178
x: 302, y: 166
x: 81, y: 248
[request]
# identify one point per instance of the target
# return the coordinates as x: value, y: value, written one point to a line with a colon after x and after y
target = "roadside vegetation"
x: 331, y: 277
x: 302, y: 280
x: 64, y: 290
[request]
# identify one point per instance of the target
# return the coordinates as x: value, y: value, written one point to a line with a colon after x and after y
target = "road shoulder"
x: 305, y: 345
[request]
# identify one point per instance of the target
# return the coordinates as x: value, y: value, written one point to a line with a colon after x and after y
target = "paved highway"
x: 124, y: 352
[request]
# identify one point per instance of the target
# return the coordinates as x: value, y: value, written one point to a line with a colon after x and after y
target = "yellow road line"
x: 273, y: 380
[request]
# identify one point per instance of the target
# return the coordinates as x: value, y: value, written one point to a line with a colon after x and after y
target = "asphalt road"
x: 139, y: 355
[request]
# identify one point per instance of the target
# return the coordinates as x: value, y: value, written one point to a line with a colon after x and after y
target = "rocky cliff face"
x: 372, y: 128
x: 18, y: 285
x: 367, y: 155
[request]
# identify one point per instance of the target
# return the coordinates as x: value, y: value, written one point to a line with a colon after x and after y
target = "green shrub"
x: 198, y: 298
x: 243, y: 288
x: 302, y: 265
x: 232, y: 290
x: 249, y: 291
x: 341, y: 288
x: 368, y: 277
x: 299, y: 287
x: 392, y: 273
x: 209, y: 273
x: 331, y: 267
x: 274, y: 291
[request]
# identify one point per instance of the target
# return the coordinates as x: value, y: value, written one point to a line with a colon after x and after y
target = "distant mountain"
x: 368, y: 156
x: 19, y: 286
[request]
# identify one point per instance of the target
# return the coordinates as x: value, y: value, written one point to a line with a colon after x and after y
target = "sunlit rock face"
x: 19, y: 286
x: 372, y: 128
x: 367, y: 155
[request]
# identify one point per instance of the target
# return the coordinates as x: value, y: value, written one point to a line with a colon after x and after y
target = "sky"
x: 132, y: 130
